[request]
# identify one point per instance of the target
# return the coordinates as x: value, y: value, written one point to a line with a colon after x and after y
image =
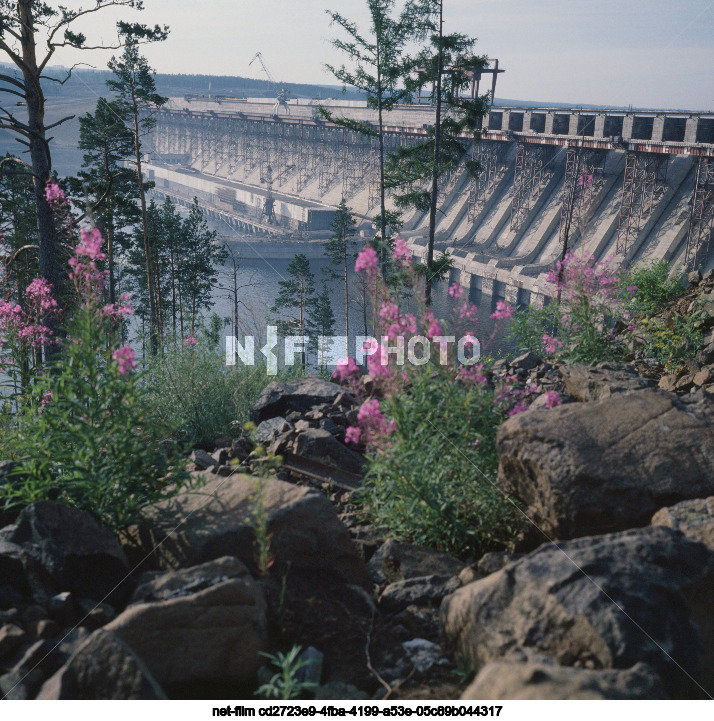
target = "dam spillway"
x: 634, y: 185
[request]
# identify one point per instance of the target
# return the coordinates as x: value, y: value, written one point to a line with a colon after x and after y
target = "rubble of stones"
x: 621, y: 476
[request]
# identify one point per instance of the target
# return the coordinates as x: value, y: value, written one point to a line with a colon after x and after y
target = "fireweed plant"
x: 82, y: 434
x: 593, y: 320
x: 429, y: 423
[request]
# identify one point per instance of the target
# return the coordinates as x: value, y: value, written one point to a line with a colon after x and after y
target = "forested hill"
x: 84, y: 83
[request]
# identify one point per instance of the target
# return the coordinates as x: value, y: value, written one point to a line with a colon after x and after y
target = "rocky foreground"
x: 609, y: 592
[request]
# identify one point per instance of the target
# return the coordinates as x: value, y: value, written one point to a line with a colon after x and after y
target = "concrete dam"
x: 634, y: 185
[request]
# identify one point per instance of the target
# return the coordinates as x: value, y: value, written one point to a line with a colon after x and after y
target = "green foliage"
x: 191, y: 390
x: 321, y: 324
x: 657, y: 283
x: 669, y: 340
x: 435, y: 482
x: 86, y: 437
x: 285, y: 684
x: 296, y: 296
x: 528, y: 325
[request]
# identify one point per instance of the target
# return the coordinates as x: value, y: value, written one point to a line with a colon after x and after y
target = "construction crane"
x: 282, y: 94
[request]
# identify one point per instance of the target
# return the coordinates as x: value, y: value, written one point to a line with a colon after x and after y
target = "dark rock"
x: 586, y: 384
x: 320, y: 445
x: 44, y: 628
x: 338, y: 691
x: 218, y: 521
x: 695, y: 519
x: 495, y: 560
x: 668, y: 382
x: 503, y: 680
x: 62, y: 608
x: 34, y: 613
x: 12, y: 572
x: 591, y: 468
x: 419, y: 591
x: 527, y: 361
x: 605, y: 602
x: 706, y: 355
x: 330, y: 426
x: 198, y: 624
x: 39, y: 655
x: 397, y: 561
x: 203, y: 460
x: 77, y: 553
x: 694, y: 277
x: 11, y: 638
x: 241, y: 448
x: 685, y: 383
x: 279, y: 399
x: 103, y: 668
x: 20, y: 686
x: 270, y: 428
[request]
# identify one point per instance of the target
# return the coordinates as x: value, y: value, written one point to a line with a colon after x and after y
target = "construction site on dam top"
x: 634, y: 185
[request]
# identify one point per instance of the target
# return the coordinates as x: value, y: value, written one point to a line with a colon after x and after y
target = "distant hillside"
x: 92, y: 83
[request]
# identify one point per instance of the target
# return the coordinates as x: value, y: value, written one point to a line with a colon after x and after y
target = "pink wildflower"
x: 190, y: 342
x: 401, y: 252
x: 552, y: 399
x: 551, y: 344
x: 456, y: 291
x: 503, y: 311
x: 352, y: 435
x: 53, y: 193
x: 346, y: 368
x: 366, y: 260
x: 125, y: 359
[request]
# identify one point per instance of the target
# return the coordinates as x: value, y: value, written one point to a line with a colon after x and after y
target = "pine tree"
x: 138, y: 101
x: 199, y: 265
x: 31, y: 32
x: 321, y: 324
x: 379, y: 67
x: 340, y: 251
x: 109, y: 186
x: 18, y: 230
x: 295, y: 298
x: 446, y: 61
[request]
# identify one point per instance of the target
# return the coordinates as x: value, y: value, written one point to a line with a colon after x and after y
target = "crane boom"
x: 259, y: 56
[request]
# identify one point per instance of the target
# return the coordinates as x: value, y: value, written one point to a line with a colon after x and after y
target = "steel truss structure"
x: 534, y: 168
x: 644, y: 184
x: 583, y: 180
x: 491, y: 158
x: 701, y: 219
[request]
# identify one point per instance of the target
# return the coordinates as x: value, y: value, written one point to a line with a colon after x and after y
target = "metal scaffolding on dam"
x: 637, y: 185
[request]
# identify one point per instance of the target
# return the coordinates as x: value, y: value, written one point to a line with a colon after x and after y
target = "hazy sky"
x: 653, y: 53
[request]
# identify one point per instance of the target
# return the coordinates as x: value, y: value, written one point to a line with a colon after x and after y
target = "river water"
x: 258, y: 286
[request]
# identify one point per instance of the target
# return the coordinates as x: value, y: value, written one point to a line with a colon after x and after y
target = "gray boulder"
x: 503, y: 680
x: 270, y: 428
x: 73, y: 549
x: 197, y: 624
x: 320, y: 445
x: 586, y: 383
x: 218, y: 520
x: 104, y: 668
x: 398, y: 561
x: 606, y: 602
x: 695, y: 519
x: 419, y: 591
x: 590, y: 468
x: 279, y: 399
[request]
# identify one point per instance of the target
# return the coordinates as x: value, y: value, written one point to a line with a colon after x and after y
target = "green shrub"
x: 656, y: 284
x: 83, y: 433
x: 435, y: 482
x: 528, y: 325
x: 190, y: 389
